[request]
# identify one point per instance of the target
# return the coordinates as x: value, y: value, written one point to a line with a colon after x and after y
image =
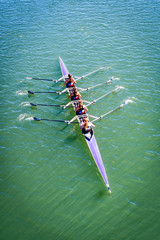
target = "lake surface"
x: 50, y: 185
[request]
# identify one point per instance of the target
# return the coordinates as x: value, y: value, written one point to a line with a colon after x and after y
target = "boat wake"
x: 22, y: 92
x: 25, y: 117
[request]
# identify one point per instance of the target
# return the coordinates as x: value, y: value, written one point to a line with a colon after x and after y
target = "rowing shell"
x: 90, y: 138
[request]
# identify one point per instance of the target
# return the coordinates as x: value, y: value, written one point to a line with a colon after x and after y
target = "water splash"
x: 21, y: 92
x: 25, y: 104
x: 115, y: 78
x: 134, y: 98
x: 118, y: 88
x: 25, y: 117
x: 130, y: 100
x: 29, y: 119
x: 106, y: 68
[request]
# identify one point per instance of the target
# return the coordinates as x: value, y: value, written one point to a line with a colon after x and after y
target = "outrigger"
x: 89, y: 137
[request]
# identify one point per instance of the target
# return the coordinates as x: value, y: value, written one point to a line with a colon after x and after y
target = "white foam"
x: 129, y: 100
x: 115, y: 78
x: 21, y: 92
x: 25, y: 104
x: 134, y: 98
x: 29, y: 119
x: 22, y: 116
x: 25, y: 117
x: 106, y: 68
x: 120, y: 87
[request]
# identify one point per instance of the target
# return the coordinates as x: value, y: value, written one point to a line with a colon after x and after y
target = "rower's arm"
x: 92, y: 125
x: 76, y: 109
x: 66, y: 81
x: 85, y: 108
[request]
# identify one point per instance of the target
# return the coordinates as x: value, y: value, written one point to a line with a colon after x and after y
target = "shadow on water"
x: 64, y: 127
x: 102, y: 193
x: 71, y: 138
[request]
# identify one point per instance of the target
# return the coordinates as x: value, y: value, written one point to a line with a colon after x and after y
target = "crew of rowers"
x: 80, y: 109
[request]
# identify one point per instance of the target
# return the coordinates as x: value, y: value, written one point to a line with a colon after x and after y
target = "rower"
x: 86, y: 126
x: 75, y: 95
x: 81, y: 109
x: 70, y: 82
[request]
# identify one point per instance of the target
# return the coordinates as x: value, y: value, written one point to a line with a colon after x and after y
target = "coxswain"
x: 75, y: 95
x: 86, y: 126
x: 81, y: 109
x: 70, y: 82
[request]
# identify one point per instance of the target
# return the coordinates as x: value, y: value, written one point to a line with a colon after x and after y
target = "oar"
x: 82, y: 77
x: 54, y: 80
x: 100, y: 117
x: 87, y: 89
x: 44, y: 79
x: 51, y: 120
x: 47, y: 105
x: 32, y: 92
x: 114, y: 90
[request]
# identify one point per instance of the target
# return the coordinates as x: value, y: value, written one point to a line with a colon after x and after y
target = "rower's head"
x: 74, y: 89
x: 85, y: 120
x: 80, y: 103
x: 70, y: 75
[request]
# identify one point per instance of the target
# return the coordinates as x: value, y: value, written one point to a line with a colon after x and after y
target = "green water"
x: 50, y: 186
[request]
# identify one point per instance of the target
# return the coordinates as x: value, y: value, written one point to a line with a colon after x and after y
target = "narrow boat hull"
x: 64, y: 69
x: 91, y: 141
x: 93, y: 146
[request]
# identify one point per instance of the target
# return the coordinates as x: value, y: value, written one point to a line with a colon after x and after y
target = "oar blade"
x: 36, y: 119
x: 122, y: 105
x: 30, y: 92
x: 33, y: 105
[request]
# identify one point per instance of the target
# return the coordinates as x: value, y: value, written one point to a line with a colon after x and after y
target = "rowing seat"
x: 70, y: 90
x: 81, y: 117
x: 75, y: 103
